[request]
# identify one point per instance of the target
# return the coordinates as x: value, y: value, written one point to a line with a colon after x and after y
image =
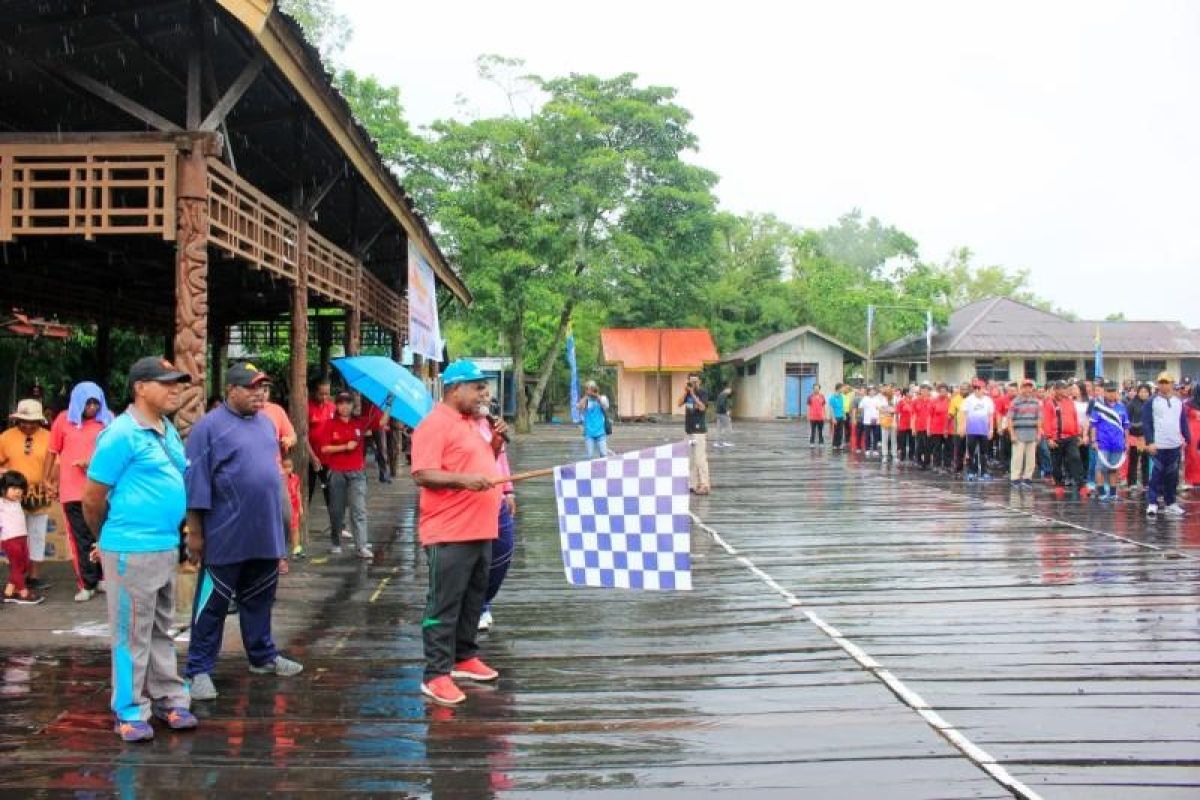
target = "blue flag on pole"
x: 1099, y: 355
x: 576, y: 417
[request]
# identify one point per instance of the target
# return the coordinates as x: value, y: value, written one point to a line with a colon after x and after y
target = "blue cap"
x: 462, y: 371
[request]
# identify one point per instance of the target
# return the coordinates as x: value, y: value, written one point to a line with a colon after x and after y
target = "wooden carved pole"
x: 298, y: 365
x: 353, y: 341
x: 191, y: 281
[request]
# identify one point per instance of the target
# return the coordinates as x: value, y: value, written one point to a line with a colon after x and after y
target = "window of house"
x: 802, y: 370
x: 912, y: 373
x: 1031, y: 369
x: 1147, y: 369
x: 741, y: 371
x: 752, y: 368
x: 991, y: 369
x: 1061, y: 369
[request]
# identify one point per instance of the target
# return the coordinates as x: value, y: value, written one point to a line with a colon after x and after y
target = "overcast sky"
x: 1062, y: 137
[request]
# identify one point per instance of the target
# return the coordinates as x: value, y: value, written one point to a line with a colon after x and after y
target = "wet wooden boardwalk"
x: 856, y: 632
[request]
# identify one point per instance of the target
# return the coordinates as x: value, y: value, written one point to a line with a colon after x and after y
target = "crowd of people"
x: 138, y: 502
x: 1098, y: 439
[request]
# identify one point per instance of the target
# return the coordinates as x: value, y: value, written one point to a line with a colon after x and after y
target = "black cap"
x: 1059, y: 385
x: 153, y: 368
x: 343, y: 395
x: 246, y: 375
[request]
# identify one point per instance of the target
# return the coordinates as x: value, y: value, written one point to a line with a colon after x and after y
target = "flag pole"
x: 521, y: 476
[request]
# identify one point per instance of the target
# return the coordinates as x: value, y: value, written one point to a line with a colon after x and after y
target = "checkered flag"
x: 624, y: 520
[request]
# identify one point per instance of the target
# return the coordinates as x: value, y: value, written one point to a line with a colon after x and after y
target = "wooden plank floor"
x: 1064, y: 655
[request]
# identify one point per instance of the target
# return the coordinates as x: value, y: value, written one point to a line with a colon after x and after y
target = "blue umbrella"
x: 388, y: 385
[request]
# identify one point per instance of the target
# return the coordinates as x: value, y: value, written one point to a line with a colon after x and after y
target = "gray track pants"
x: 141, y: 609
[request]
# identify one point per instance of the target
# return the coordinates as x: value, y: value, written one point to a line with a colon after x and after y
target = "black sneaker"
x: 38, y: 583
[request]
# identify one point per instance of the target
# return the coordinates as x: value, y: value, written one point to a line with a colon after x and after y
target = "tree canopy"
x: 584, y: 203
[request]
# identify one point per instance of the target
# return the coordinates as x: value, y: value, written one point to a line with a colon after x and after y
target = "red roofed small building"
x: 653, y: 365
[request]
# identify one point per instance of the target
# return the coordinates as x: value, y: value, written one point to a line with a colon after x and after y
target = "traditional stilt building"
x: 187, y: 166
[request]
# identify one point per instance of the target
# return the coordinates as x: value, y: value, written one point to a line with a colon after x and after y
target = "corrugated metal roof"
x: 671, y: 349
x: 775, y: 340
x: 1001, y: 326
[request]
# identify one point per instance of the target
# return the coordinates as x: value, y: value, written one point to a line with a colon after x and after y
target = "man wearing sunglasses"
x: 25, y: 448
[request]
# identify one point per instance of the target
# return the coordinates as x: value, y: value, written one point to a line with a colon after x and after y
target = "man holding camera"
x: 695, y: 404
x: 594, y: 407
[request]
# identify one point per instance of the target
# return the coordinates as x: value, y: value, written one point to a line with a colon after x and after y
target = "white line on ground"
x: 978, y: 756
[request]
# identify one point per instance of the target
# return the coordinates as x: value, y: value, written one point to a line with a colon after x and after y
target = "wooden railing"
x: 332, y: 272
x: 248, y: 224
x: 382, y: 305
x: 87, y: 189
x: 97, y: 188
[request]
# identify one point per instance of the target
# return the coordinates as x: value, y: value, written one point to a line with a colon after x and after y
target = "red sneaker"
x: 474, y: 670
x: 1083, y: 493
x: 442, y: 690
x: 1060, y: 492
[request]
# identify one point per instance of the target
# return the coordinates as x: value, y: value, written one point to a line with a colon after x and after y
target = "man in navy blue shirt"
x: 235, y: 529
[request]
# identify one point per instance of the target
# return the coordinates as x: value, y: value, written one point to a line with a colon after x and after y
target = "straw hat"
x: 28, y: 411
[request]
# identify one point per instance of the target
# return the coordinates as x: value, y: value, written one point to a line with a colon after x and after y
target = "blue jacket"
x: 1110, y: 424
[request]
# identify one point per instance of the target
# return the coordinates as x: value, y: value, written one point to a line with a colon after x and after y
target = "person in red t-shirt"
x: 460, y: 508
x: 340, y: 445
x: 816, y: 416
x: 1002, y: 401
x: 904, y: 425
x: 939, y: 429
x: 320, y: 411
x: 921, y: 409
x: 72, y: 442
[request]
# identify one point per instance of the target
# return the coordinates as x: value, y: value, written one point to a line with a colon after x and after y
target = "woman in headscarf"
x: 72, y: 442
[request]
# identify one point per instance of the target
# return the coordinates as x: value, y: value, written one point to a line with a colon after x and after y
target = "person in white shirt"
x: 868, y: 409
x: 979, y: 413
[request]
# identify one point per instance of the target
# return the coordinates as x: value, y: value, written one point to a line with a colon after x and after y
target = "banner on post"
x: 573, y: 365
x: 424, y: 332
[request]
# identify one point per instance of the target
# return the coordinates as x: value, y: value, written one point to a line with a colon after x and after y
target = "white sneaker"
x: 366, y: 552
x: 1151, y: 510
x: 346, y: 534
x: 101, y: 588
x: 1174, y: 510
x: 336, y: 550
x: 485, y: 621
x: 83, y: 595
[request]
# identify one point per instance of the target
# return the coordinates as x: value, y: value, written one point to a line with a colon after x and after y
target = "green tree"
x: 323, y: 26
x: 586, y: 199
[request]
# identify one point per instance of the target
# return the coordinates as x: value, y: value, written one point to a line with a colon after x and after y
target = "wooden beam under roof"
x: 307, y: 79
x: 113, y: 97
x: 234, y: 93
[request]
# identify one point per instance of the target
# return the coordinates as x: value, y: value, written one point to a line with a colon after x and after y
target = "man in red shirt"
x: 939, y: 429
x: 1002, y: 397
x: 1060, y: 429
x: 921, y: 409
x: 460, y: 506
x: 904, y: 425
x: 340, y: 445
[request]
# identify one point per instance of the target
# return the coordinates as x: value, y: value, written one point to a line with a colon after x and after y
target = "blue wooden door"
x: 791, y: 401
x: 806, y: 387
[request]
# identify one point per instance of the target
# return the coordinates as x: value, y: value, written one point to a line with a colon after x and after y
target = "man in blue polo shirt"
x: 235, y: 529
x: 135, y: 498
